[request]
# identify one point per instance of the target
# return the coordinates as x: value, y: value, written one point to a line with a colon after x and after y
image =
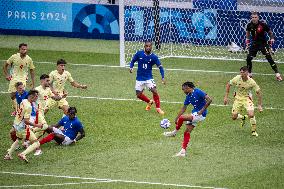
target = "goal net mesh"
x: 207, y: 29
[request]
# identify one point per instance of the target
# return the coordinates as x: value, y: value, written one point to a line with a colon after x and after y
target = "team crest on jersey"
x: 259, y: 29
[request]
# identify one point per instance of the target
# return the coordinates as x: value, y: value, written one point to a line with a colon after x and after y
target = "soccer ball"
x: 165, y: 123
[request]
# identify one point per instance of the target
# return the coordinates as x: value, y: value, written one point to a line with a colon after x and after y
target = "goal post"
x: 203, y: 29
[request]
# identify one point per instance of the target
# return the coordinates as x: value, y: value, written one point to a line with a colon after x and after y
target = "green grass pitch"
x: 124, y: 146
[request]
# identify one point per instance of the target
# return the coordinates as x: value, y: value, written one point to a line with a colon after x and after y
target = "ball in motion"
x: 165, y: 123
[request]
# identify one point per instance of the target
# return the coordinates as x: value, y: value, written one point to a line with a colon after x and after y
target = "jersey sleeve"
x: 27, y: 111
x: 11, y: 59
x: 31, y: 64
x: 186, y: 102
x: 79, y: 125
x: 265, y: 27
x: 248, y: 27
x: 233, y: 81
x: 134, y: 59
x: 61, y: 122
x: 70, y: 79
x: 201, y: 94
x: 255, y: 86
x: 157, y: 61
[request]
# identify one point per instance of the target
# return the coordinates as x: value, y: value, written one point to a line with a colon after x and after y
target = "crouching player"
x: 22, y: 125
x: 71, y: 132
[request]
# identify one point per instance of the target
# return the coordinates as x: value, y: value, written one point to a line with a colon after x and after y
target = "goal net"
x: 204, y: 29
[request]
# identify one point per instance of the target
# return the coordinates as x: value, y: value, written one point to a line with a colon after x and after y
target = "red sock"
x: 46, y: 139
x: 179, y: 122
x: 186, y: 138
x: 157, y: 100
x: 13, y: 135
x: 144, y: 98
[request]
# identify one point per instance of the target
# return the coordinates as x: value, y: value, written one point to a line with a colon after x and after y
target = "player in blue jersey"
x: 146, y: 60
x: 19, y: 95
x: 200, y: 102
x: 72, y: 129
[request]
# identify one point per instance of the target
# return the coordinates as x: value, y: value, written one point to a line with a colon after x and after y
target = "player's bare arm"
x: 5, y: 70
x: 32, y: 72
x: 259, y: 97
x: 80, y: 135
x: 227, y: 93
x: 27, y: 122
x: 208, y: 102
x: 77, y: 85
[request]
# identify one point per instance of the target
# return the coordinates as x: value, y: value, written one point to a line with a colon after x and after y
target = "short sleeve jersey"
x: 145, y: 65
x: 71, y: 126
x: 197, y: 100
x: 258, y: 31
x: 243, y: 87
x: 59, y: 80
x: 20, y: 66
x: 24, y: 111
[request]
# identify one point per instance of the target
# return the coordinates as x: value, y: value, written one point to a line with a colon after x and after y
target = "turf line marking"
x: 110, y: 180
x: 162, y: 101
x: 167, y: 69
x: 59, y: 184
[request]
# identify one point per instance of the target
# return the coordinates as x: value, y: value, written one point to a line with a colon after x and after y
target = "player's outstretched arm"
x: 259, y: 97
x: 77, y: 85
x: 227, y: 93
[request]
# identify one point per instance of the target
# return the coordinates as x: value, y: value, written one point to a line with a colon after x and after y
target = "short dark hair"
x: 254, y: 13
x: 22, y: 44
x: 18, y: 84
x: 61, y: 61
x: 244, y: 68
x: 148, y: 42
x: 44, y: 76
x: 32, y: 92
x: 72, y: 110
x: 188, y: 84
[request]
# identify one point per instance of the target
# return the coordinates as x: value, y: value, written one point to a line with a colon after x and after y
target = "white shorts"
x: 140, y: 85
x: 67, y: 140
x: 196, y: 118
x: 32, y: 120
x: 20, y: 127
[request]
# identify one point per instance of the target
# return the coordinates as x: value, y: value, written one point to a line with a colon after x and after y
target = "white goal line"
x: 50, y: 185
x: 167, y: 69
x: 103, y: 180
x: 162, y: 101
